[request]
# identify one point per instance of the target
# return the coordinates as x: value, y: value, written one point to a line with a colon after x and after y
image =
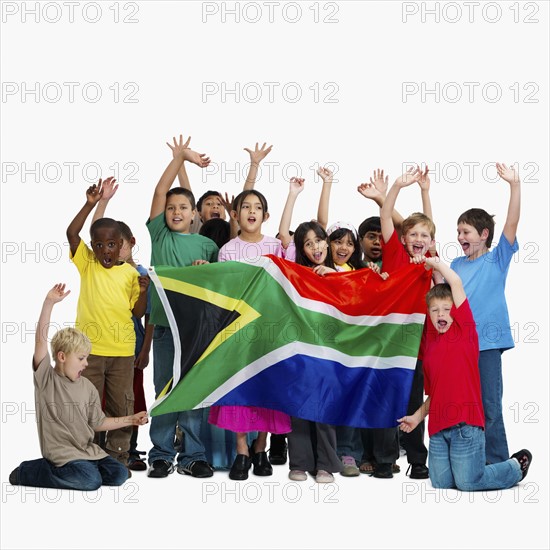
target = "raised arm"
x: 256, y: 157
x: 386, y: 221
x: 511, y: 176
x: 181, y: 153
x: 93, y: 195
x: 424, y: 183
x: 324, y: 199
x: 376, y: 190
x: 55, y: 295
x: 450, y: 276
x: 109, y: 190
x: 296, y: 187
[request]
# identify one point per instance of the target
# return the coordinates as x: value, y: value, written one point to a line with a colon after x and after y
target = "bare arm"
x: 109, y: 190
x: 112, y: 423
x: 451, y: 277
x: 409, y: 423
x: 93, y: 195
x: 386, y: 220
x: 511, y: 176
x: 256, y: 157
x: 296, y: 187
x: 142, y: 360
x: 324, y: 199
x: 55, y: 295
x: 141, y: 304
x: 181, y: 153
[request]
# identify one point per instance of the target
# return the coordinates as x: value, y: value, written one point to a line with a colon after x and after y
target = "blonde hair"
x: 70, y: 340
x: 415, y: 219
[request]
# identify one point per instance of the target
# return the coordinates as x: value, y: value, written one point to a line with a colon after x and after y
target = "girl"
x: 344, y: 246
x: 311, y: 445
x: 250, y: 211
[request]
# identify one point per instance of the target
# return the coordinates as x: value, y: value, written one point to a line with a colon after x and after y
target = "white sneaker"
x: 350, y: 467
x: 297, y: 475
x: 324, y: 477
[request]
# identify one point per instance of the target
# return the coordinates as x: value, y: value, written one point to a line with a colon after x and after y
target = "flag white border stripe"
x: 300, y: 348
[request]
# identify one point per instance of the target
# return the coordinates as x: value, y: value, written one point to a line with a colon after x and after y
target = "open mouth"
x: 442, y: 324
x: 251, y: 219
x: 214, y: 215
x: 465, y: 246
x: 418, y: 248
x: 107, y: 262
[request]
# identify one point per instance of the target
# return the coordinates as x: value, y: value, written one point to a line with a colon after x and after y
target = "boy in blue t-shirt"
x: 483, y: 273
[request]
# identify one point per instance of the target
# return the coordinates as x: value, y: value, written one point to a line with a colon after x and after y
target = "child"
x: 172, y: 211
x: 344, y: 246
x: 144, y: 336
x: 484, y: 275
x: 370, y: 238
x: 457, y: 440
x: 250, y: 211
x: 69, y: 413
x: 417, y: 238
x: 312, y: 445
x: 110, y: 293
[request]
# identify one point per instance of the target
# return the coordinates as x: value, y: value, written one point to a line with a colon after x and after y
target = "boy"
x: 110, y: 293
x: 417, y: 238
x: 68, y: 412
x: 457, y: 440
x: 172, y: 211
x: 484, y: 275
x: 370, y: 237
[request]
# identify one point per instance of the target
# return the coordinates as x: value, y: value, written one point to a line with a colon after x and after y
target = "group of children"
x: 99, y: 364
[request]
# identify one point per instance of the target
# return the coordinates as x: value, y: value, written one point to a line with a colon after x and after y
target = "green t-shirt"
x: 176, y: 250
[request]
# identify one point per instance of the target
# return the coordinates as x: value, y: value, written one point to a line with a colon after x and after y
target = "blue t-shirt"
x: 484, y: 281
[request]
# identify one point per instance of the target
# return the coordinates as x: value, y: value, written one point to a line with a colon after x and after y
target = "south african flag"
x: 339, y: 349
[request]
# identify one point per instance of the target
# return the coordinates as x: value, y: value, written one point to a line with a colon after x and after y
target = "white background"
x: 362, y: 51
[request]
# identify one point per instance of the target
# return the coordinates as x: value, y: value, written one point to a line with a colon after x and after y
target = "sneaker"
x: 383, y: 471
x: 350, y: 467
x: 14, y: 477
x: 524, y: 458
x: 278, y: 449
x: 197, y: 468
x: 160, y: 468
x: 418, y: 471
x: 297, y: 475
x: 324, y: 477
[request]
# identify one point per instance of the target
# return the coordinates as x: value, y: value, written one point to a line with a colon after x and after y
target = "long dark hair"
x: 300, y: 238
x: 355, y: 258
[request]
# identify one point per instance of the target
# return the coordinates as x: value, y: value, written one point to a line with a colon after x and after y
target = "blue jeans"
x: 349, y: 443
x: 81, y: 475
x: 490, y: 374
x: 457, y: 461
x: 163, y: 428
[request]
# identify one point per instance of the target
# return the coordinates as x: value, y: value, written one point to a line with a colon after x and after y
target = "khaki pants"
x: 114, y: 377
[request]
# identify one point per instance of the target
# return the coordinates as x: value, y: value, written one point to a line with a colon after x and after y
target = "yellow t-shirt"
x: 345, y: 267
x: 107, y: 297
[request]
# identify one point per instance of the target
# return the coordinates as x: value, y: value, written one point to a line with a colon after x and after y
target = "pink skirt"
x: 238, y: 418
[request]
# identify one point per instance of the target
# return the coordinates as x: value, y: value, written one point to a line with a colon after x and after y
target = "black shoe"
x: 524, y: 457
x: 278, y: 449
x: 383, y: 470
x: 160, y: 468
x: 14, y: 476
x: 262, y: 466
x: 239, y: 470
x: 135, y: 462
x: 197, y: 468
x: 418, y: 471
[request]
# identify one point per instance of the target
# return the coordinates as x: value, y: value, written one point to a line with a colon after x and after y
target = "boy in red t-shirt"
x: 451, y: 381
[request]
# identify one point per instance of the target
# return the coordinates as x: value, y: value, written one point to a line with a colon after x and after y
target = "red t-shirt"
x: 451, y: 373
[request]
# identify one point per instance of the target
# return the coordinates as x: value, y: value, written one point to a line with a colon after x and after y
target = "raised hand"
x: 109, y: 188
x: 379, y: 181
x: 411, y: 176
x: 370, y: 191
x: 508, y: 174
x: 94, y: 193
x: 325, y: 174
x: 179, y: 146
x: 227, y: 202
x: 57, y: 293
x: 424, y: 180
x: 258, y: 155
x: 296, y: 185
